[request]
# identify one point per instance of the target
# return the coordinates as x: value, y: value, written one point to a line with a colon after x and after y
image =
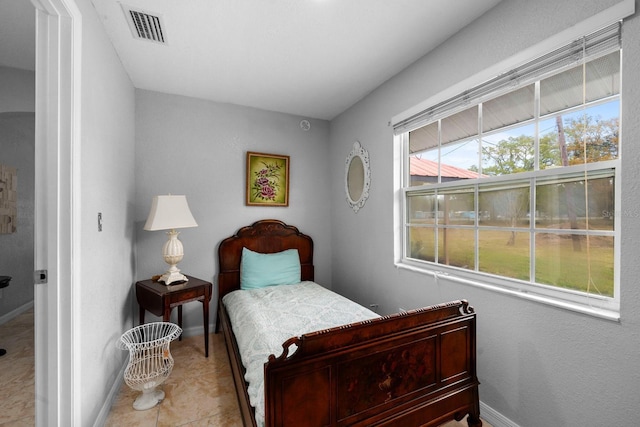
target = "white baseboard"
x: 101, y: 419
x: 16, y: 312
x: 495, y: 418
x: 196, y: 330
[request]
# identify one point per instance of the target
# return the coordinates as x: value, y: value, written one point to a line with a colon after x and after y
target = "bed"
x: 416, y: 368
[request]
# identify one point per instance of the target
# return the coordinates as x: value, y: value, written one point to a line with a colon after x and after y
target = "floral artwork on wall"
x: 267, y: 179
x: 8, y: 199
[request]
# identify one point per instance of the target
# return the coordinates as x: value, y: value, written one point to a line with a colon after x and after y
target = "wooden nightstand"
x: 160, y: 299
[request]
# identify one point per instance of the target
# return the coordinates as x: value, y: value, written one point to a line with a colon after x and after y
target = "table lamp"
x: 168, y: 213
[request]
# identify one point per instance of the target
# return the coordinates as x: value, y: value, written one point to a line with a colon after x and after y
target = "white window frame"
x: 603, y: 307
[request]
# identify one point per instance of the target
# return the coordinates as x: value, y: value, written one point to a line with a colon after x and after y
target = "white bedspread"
x: 262, y: 319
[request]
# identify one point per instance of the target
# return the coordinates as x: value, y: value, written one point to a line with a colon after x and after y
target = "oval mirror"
x: 357, y: 177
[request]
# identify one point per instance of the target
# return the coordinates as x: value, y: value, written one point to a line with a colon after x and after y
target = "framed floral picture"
x: 267, y: 179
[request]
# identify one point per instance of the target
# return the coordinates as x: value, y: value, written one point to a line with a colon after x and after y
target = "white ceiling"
x: 312, y: 58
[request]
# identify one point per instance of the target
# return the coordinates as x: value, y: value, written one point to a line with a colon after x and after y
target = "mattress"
x: 262, y: 319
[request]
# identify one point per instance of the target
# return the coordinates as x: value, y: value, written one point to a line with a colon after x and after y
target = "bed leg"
x: 217, y: 325
x: 474, y: 420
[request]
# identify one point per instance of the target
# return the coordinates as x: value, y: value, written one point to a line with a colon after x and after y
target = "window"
x: 514, y: 182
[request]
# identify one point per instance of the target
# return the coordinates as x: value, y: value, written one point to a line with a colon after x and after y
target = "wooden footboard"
x: 410, y: 369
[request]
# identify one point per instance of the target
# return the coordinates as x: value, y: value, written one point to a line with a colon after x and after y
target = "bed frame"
x: 416, y: 368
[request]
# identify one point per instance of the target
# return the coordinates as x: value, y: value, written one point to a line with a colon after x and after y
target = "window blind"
x: 589, y: 47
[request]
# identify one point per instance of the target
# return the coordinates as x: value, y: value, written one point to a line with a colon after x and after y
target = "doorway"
x: 17, y: 203
x: 17, y: 140
x: 56, y: 208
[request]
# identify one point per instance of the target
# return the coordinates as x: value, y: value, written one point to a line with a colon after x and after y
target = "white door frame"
x: 58, y: 34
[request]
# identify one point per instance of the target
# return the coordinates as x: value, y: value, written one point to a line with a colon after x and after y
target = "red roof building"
x: 426, y: 171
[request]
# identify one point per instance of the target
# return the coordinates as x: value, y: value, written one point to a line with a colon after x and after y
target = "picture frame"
x: 267, y: 179
x: 8, y: 199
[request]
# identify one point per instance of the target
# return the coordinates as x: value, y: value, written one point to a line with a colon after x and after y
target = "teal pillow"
x: 259, y: 270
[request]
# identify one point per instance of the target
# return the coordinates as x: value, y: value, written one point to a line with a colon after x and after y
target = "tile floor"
x: 199, y: 391
x: 17, y: 394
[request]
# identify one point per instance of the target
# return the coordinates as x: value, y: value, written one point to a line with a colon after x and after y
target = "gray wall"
x: 17, y: 138
x: 17, y: 90
x: 17, y: 143
x: 102, y: 294
x: 198, y: 148
x: 538, y: 365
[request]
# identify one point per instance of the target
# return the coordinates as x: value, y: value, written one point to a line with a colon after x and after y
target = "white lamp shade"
x: 169, y: 212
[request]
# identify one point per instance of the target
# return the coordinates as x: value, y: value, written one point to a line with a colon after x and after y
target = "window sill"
x: 598, y: 312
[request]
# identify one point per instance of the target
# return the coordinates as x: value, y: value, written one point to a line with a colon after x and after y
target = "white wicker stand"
x: 150, y: 361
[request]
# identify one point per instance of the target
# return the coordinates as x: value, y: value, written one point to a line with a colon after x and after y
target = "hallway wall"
x: 17, y: 139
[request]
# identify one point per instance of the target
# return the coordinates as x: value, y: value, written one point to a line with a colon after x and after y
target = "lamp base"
x: 172, y: 253
x: 172, y: 276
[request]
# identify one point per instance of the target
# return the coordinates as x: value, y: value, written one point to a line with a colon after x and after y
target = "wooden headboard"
x: 266, y: 236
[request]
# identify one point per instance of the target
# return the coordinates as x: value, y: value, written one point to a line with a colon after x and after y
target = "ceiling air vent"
x: 145, y: 25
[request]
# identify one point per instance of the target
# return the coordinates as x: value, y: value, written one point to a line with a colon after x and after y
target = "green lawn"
x: 559, y: 263
x: 559, y: 260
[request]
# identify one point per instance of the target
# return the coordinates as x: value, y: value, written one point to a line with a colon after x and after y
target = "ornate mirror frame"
x: 357, y: 177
